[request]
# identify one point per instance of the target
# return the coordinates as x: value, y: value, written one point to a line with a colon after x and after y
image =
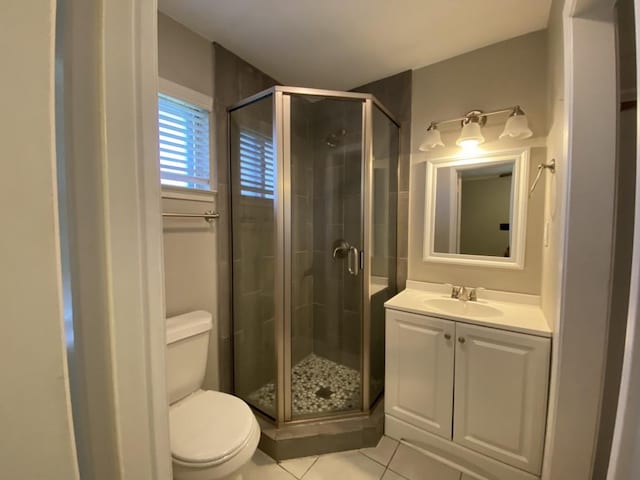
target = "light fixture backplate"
x: 479, y: 114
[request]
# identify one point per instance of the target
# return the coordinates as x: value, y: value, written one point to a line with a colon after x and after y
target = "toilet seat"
x: 209, y: 428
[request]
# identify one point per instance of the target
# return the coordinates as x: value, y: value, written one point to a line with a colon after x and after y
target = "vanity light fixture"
x: 431, y: 139
x: 516, y: 127
x: 471, y: 134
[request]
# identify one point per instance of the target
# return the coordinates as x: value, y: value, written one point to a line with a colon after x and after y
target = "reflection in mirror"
x: 473, y: 209
x: 476, y: 209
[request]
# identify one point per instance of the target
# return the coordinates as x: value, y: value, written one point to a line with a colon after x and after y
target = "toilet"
x: 213, y: 434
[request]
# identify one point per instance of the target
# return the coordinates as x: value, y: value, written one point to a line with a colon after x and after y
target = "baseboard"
x: 476, y: 465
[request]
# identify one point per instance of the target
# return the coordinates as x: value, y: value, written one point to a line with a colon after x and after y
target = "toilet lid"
x: 209, y: 426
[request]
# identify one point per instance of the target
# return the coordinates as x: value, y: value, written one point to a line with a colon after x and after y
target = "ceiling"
x: 341, y: 44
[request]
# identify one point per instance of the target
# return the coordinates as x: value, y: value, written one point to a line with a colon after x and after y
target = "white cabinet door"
x: 419, y: 371
x: 501, y: 394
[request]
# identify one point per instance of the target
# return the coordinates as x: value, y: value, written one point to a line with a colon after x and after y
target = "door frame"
x: 116, y: 238
x: 135, y: 226
x: 624, y: 462
x: 586, y: 168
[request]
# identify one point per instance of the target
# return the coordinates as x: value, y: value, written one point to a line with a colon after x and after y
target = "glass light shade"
x: 470, y: 136
x: 517, y: 127
x: 431, y: 140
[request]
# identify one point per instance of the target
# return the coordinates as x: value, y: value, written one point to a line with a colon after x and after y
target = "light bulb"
x: 471, y: 135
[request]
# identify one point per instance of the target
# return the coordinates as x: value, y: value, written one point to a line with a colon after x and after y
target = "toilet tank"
x: 187, y: 350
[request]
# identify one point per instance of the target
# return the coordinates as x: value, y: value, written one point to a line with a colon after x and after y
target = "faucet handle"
x: 456, y: 291
x: 473, y: 293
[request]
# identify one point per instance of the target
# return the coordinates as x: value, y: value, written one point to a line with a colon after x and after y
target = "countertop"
x: 519, y: 312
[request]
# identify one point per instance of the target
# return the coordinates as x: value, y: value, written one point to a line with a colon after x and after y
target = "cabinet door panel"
x: 419, y: 371
x: 501, y: 383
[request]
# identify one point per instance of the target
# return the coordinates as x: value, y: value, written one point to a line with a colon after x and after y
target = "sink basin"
x: 457, y: 307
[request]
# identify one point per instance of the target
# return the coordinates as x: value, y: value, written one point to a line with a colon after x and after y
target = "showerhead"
x: 334, y: 139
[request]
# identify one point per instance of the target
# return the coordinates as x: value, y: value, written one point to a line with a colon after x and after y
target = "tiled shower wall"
x: 253, y: 293
x: 337, y: 296
x: 302, y: 231
x: 395, y: 92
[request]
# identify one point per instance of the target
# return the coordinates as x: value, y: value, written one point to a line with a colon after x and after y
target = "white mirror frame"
x: 519, y: 209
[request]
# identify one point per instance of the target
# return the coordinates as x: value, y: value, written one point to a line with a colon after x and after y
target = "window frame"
x: 185, y: 94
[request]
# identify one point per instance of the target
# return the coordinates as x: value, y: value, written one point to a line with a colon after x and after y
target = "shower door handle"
x: 353, y: 261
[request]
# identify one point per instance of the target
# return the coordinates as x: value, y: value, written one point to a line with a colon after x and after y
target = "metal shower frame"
x: 283, y: 252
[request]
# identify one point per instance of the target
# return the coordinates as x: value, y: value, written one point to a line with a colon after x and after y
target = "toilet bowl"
x: 213, y: 434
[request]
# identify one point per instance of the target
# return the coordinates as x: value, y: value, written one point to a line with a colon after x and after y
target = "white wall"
x: 556, y: 144
x: 184, y: 57
x: 190, y: 246
x: 35, y: 416
x: 490, y: 78
x: 554, y: 207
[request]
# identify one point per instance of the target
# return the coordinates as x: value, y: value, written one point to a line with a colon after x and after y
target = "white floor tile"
x: 263, y: 467
x: 260, y: 458
x: 350, y: 465
x: 390, y: 475
x: 415, y: 466
x: 298, y: 466
x: 383, y: 452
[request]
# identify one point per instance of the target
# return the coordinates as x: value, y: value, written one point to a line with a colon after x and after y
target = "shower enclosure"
x: 313, y: 176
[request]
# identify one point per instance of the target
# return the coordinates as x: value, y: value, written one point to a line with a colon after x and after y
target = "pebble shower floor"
x: 319, y: 386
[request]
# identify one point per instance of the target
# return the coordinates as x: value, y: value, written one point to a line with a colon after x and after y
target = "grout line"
x: 285, y: 470
x: 310, y: 467
x: 369, y: 458
x: 394, y: 453
x: 386, y: 466
x: 393, y: 471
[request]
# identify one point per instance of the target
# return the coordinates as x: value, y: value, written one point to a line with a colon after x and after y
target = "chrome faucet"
x: 465, y: 294
x: 455, y: 291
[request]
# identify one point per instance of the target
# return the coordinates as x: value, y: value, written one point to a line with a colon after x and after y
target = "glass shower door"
x: 254, y: 194
x: 325, y: 158
x: 382, y: 274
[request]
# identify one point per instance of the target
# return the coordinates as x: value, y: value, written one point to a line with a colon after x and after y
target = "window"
x: 257, y: 168
x: 183, y: 130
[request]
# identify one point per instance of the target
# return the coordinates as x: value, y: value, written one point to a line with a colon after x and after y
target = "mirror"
x: 476, y: 209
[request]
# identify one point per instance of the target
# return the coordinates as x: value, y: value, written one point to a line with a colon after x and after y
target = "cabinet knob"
x: 461, y: 339
x: 447, y: 336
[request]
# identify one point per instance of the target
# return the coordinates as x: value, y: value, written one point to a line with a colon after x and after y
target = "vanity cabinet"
x: 477, y: 387
x: 419, y: 371
x: 501, y: 394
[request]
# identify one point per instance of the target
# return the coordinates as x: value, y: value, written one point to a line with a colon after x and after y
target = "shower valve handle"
x: 340, y: 249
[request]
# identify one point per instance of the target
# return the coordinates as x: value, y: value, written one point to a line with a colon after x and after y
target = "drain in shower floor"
x: 324, y: 392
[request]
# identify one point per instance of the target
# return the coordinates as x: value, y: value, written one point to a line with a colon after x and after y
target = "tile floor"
x: 387, y: 461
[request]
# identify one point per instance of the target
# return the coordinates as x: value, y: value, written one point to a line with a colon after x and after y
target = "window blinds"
x: 257, y: 168
x: 184, y: 144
